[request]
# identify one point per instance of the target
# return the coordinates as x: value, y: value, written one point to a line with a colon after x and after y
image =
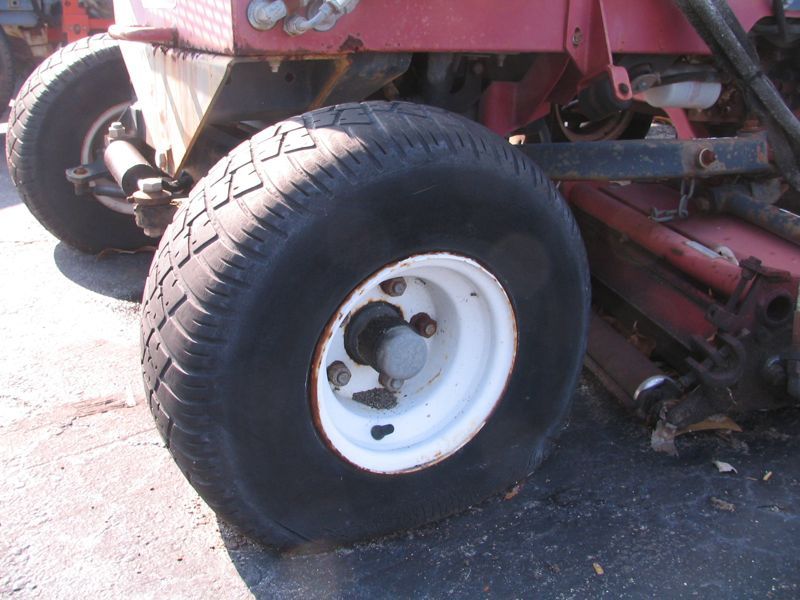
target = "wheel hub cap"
x: 405, y: 375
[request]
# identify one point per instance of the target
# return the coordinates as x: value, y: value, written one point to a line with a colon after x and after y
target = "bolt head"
x: 338, y: 374
x: 116, y: 130
x: 394, y: 287
x: 151, y: 185
x: 424, y: 325
x: 774, y: 373
x: 265, y: 14
x: 390, y: 383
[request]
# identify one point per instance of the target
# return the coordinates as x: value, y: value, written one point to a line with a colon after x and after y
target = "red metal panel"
x: 643, y: 26
x: 507, y: 106
x: 200, y: 24
x: 658, y: 27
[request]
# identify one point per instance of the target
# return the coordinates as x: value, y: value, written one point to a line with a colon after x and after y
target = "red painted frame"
x: 575, y: 40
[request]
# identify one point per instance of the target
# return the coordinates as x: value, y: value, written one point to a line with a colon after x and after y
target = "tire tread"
x: 229, y: 224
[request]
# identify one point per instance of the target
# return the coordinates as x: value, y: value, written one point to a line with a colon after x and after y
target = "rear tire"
x: 58, y: 105
x: 260, y: 259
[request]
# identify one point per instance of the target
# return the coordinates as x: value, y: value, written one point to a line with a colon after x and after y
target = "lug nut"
x: 338, y: 374
x: 390, y: 383
x: 394, y: 287
x: 423, y: 325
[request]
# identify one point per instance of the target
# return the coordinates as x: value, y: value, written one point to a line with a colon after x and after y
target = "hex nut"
x: 151, y: 185
x: 116, y: 131
x: 424, y: 325
x: 338, y: 374
x: 391, y: 384
x: 394, y: 287
x: 265, y: 14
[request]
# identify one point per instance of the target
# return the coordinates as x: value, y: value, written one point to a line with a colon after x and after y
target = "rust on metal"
x: 423, y: 324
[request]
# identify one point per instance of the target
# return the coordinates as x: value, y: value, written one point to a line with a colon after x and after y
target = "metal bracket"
x: 81, y: 175
x: 650, y: 160
x: 723, y: 366
x: 588, y: 46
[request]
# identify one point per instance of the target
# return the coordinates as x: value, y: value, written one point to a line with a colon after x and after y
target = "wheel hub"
x: 378, y: 336
x: 407, y: 372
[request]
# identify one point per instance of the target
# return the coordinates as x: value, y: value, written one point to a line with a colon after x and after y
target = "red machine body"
x: 711, y: 286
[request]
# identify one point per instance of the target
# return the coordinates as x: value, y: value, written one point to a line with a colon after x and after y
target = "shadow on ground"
x: 603, y: 502
x: 116, y: 275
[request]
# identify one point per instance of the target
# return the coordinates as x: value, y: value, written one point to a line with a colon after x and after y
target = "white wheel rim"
x: 439, y: 410
x: 99, y: 127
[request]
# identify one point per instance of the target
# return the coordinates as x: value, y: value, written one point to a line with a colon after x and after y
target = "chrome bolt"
x: 338, y: 374
x: 391, y: 384
x: 116, y: 131
x: 774, y: 373
x: 423, y: 325
x: 265, y: 14
x: 394, y: 287
x: 151, y: 185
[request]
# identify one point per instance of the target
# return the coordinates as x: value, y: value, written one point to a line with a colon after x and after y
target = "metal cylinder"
x: 780, y: 222
x: 127, y: 165
x: 676, y: 249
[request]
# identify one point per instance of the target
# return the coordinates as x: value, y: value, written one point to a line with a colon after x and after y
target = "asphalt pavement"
x: 91, y: 505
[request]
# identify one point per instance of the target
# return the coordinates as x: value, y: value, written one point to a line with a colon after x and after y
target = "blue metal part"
x: 19, y: 13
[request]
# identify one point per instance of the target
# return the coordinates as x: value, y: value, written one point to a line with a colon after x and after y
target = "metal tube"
x: 127, y: 165
x: 621, y: 362
x: 704, y: 265
x: 648, y: 160
x: 780, y: 222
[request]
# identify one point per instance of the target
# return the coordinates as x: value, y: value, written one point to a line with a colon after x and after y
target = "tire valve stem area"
x: 379, y: 432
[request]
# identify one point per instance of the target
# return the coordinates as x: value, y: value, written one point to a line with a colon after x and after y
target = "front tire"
x: 58, y: 122
x: 251, y: 282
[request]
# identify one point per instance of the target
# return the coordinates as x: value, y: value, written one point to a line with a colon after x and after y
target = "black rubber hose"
x: 716, y: 23
x: 715, y: 17
x: 780, y: 19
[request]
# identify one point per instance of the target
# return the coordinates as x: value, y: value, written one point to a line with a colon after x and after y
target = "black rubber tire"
x: 269, y: 244
x: 8, y: 72
x: 49, y: 120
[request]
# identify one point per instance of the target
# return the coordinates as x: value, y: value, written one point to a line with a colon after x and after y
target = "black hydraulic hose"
x: 780, y: 19
x: 733, y: 39
x: 716, y: 23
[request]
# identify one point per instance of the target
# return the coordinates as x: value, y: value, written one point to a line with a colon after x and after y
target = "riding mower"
x: 389, y: 230
x: 30, y: 30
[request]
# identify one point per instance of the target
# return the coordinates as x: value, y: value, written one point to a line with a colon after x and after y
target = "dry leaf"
x: 724, y: 467
x: 512, y: 492
x: 663, y: 438
x: 722, y: 505
x: 713, y: 422
x: 598, y: 569
x: 767, y: 476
